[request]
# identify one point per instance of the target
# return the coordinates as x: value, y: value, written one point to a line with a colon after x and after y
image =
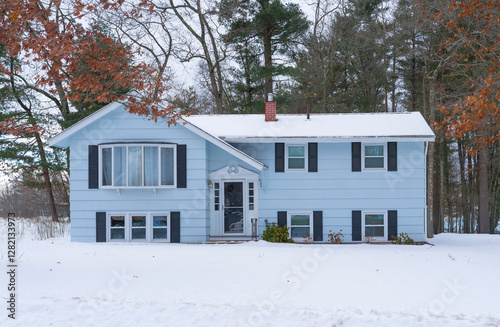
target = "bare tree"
x: 199, y: 20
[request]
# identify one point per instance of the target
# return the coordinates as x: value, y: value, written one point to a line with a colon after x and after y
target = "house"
x: 224, y: 177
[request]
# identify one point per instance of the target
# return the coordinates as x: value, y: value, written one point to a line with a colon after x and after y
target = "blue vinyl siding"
x: 336, y: 190
x: 119, y: 126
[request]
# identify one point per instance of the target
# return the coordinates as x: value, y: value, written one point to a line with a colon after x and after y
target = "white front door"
x: 233, y: 202
x: 233, y: 207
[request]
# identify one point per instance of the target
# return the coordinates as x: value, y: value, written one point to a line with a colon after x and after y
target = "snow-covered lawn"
x: 454, y: 282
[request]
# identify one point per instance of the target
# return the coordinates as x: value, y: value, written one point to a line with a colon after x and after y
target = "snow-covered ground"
x: 453, y: 282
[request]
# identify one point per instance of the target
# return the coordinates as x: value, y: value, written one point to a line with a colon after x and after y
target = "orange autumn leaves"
x: 476, y: 25
x: 74, y: 62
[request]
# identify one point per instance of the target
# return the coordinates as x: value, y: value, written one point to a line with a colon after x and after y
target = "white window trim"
x: 377, y: 212
x: 363, y: 157
x: 289, y: 224
x: 306, y: 156
x: 128, y: 226
x: 252, y: 197
x: 108, y: 226
x: 159, y: 145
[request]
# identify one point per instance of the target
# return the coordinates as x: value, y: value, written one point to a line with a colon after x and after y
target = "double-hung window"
x: 300, y: 224
x: 374, y: 225
x: 296, y: 157
x: 139, y: 227
x: 374, y: 156
x: 138, y: 165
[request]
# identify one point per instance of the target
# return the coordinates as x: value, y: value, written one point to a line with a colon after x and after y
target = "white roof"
x: 327, y: 127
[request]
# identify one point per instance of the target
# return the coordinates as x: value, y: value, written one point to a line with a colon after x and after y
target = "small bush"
x: 368, y: 239
x: 308, y: 239
x: 276, y: 234
x: 403, y: 238
x: 336, y: 238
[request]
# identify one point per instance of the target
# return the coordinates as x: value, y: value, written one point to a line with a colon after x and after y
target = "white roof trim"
x: 83, y: 123
x: 54, y: 141
x: 327, y: 139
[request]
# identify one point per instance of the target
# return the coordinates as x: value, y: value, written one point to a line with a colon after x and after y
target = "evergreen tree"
x: 271, y: 24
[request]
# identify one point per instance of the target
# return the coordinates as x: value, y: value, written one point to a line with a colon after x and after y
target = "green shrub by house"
x: 403, y: 238
x: 276, y: 234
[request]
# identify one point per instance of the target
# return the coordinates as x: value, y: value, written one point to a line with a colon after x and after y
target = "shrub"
x: 368, y: 239
x: 276, y: 234
x: 308, y: 239
x: 403, y: 238
x: 336, y: 238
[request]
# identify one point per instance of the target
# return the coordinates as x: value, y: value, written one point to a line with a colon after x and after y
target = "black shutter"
x: 100, y: 227
x: 93, y: 166
x: 181, y: 166
x: 318, y: 225
x: 312, y: 153
x: 392, y: 154
x: 356, y: 225
x: 356, y: 156
x: 279, y: 157
x: 175, y: 227
x: 282, y: 218
x: 392, y: 224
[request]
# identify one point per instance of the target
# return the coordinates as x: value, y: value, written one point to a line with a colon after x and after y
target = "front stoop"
x: 229, y: 239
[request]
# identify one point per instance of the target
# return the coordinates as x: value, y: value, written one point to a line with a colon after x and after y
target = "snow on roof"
x: 329, y: 127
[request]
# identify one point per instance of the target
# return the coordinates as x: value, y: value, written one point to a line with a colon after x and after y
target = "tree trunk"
x: 430, y: 170
x: 484, y: 219
x: 446, y: 187
x: 430, y: 190
x: 472, y: 196
x: 41, y: 150
x: 432, y: 186
x: 46, y: 177
x: 268, y: 61
x: 64, y: 105
x: 441, y: 184
x: 464, y: 192
x: 394, y: 79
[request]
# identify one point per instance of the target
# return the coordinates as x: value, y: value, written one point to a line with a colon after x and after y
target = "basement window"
x: 374, y: 225
x: 300, y: 224
x: 138, y: 227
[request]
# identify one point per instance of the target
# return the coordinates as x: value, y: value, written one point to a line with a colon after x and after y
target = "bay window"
x: 138, y: 165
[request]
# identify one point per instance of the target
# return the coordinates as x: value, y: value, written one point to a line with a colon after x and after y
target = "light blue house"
x: 224, y: 177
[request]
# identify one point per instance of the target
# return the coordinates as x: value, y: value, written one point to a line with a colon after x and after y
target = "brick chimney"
x: 270, y: 108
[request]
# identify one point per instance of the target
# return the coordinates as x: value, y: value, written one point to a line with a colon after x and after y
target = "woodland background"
x: 62, y: 60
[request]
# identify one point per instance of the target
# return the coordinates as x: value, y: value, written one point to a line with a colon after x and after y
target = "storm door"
x: 233, y: 207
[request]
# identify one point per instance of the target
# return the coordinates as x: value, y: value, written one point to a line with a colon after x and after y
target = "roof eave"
x: 224, y: 145
x: 59, y: 139
x: 327, y: 139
